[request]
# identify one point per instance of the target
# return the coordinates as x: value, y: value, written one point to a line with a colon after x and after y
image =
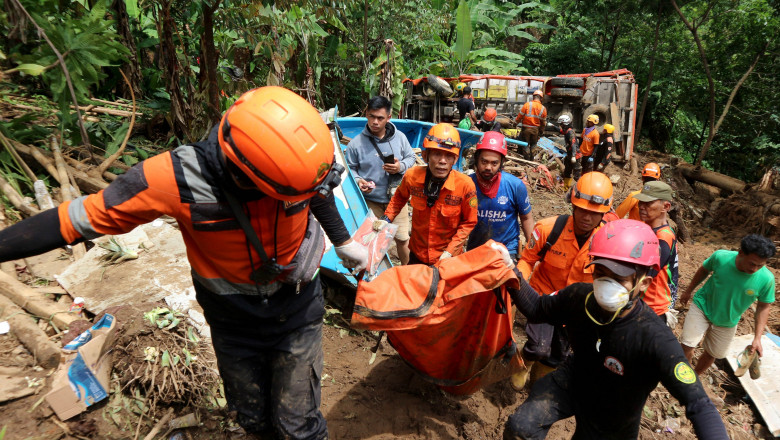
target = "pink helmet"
x: 625, y: 241
x: 493, y: 141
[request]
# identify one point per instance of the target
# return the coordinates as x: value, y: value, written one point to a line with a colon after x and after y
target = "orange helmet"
x: 490, y: 114
x: 443, y: 137
x: 593, y: 192
x: 652, y: 170
x: 280, y: 142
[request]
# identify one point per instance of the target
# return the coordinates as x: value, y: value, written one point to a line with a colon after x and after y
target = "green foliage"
x: 88, y: 43
x: 463, y: 40
x: 334, y: 53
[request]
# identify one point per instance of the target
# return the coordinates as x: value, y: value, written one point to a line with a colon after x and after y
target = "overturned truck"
x: 610, y: 95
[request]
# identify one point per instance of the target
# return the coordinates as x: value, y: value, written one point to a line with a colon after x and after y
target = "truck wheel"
x: 567, y: 82
x: 566, y: 93
x: 600, y: 110
x: 439, y: 85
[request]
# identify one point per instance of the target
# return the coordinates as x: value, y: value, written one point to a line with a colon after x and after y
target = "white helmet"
x: 564, y: 120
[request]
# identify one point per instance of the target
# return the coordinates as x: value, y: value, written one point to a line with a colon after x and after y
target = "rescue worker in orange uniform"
x: 489, y: 122
x: 655, y: 201
x: 444, y: 201
x: 550, y: 264
x: 604, y: 152
x: 650, y: 172
x: 588, y: 143
x: 266, y: 326
x: 532, y: 119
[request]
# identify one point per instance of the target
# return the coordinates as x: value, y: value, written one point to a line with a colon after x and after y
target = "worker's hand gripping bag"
x: 451, y: 322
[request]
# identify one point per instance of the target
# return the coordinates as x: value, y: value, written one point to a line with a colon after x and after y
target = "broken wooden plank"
x: 35, y: 302
x: 517, y: 159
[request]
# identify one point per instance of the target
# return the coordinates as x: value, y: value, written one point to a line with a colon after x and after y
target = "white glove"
x: 353, y: 255
x: 573, y: 159
x: 379, y: 224
x: 445, y: 255
x: 671, y: 318
x: 504, y: 253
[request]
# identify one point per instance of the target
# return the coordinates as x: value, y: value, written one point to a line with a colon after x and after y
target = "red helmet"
x: 625, y: 241
x: 493, y: 141
x: 490, y: 114
x: 280, y: 142
x: 652, y: 170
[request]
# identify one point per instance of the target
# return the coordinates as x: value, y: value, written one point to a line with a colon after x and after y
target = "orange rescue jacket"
x: 173, y: 184
x: 629, y: 206
x: 589, y: 142
x: 531, y: 114
x: 447, y: 224
x: 564, y: 263
x: 659, y: 295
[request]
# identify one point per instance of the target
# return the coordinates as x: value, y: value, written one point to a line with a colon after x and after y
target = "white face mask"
x: 611, y: 295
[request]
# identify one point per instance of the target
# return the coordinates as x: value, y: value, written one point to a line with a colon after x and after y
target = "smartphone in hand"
x: 390, y: 159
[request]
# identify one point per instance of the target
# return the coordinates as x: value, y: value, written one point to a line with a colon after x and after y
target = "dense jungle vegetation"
x: 707, y: 70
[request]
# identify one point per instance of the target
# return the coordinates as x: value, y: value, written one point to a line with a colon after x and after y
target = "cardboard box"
x: 82, y: 380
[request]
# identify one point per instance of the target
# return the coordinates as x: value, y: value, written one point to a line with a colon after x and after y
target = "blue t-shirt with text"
x: 497, y: 217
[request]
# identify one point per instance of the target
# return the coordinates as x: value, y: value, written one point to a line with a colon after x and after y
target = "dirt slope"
x: 387, y: 400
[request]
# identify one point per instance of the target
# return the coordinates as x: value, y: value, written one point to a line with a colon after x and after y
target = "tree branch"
x: 106, y: 163
x: 710, y: 81
x: 738, y: 85
x: 84, y: 135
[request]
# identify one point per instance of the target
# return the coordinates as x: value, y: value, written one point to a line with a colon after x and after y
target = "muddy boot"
x: 539, y: 371
x: 567, y: 182
x: 527, y: 153
x: 518, y: 380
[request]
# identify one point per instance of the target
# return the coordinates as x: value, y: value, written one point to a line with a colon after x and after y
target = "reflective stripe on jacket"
x: 531, y: 114
x: 444, y: 226
x: 182, y: 184
x: 564, y: 263
x: 659, y: 295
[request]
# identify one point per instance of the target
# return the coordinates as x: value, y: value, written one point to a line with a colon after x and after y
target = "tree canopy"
x: 707, y: 70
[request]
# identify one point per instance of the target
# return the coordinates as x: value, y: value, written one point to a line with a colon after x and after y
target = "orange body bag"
x: 451, y: 322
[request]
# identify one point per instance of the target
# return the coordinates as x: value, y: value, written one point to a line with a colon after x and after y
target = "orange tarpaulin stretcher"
x: 452, y: 322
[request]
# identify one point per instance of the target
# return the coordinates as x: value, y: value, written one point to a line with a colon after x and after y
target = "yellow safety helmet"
x: 593, y: 118
x: 609, y: 128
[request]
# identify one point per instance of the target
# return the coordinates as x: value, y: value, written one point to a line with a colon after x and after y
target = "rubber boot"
x: 567, y: 182
x: 527, y: 153
x: 539, y: 371
x: 518, y: 380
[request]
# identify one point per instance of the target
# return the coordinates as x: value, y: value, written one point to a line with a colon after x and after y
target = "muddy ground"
x: 387, y: 400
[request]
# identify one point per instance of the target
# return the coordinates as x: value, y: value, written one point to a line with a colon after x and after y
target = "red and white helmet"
x: 493, y: 141
x: 625, y: 241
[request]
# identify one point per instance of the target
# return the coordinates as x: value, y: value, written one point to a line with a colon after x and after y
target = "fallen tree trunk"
x: 87, y: 109
x: 24, y: 327
x: 722, y: 181
x: 87, y: 183
x: 35, y: 302
x: 771, y: 202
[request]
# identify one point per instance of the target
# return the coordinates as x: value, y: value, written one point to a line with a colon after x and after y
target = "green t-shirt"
x: 728, y: 292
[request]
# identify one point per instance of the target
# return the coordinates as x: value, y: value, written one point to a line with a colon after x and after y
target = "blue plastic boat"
x: 349, y: 199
